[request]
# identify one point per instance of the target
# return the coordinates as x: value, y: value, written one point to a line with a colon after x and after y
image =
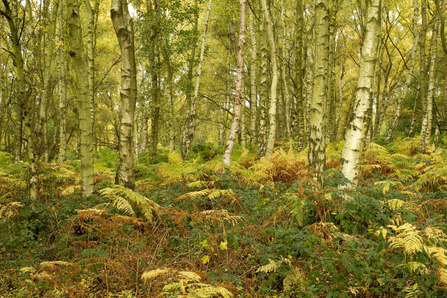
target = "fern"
x: 120, y: 197
x: 408, y: 238
x: 187, y: 283
x: 220, y: 216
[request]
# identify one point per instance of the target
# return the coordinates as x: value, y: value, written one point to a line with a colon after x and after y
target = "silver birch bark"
x: 317, y: 142
x: 409, y: 77
x: 123, y: 25
x: 356, y: 131
x: 273, y: 88
x: 422, y: 62
x: 82, y: 88
x: 62, y: 90
x: 238, y: 99
x: 309, y: 76
x: 24, y: 100
x: 444, y: 48
x: 254, y: 94
x: 331, y: 106
x: 287, y: 102
x: 427, y: 121
x: 91, y: 40
x: 299, y: 103
x: 189, y: 135
x: 263, y: 92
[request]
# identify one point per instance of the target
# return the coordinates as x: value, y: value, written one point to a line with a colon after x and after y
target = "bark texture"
x: 238, y: 99
x: 356, y: 131
x: 317, y: 142
x: 273, y: 88
x: 123, y: 25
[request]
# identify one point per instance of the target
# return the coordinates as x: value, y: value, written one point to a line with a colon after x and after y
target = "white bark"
x: 317, y: 141
x: 273, y: 93
x: 238, y: 99
x: 356, y: 131
x: 123, y: 25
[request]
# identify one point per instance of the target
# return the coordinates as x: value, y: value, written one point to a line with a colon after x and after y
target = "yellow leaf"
x: 205, y: 259
x: 224, y: 245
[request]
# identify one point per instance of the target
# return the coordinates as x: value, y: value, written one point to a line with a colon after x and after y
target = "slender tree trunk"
x: 286, y: 95
x: 238, y: 100
x: 422, y: 63
x: 427, y: 121
x: 331, y: 107
x: 171, y: 122
x: 340, y: 103
x: 299, y: 101
x: 145, y: 133
x: 123, y: 25
x: 253, y: 85
x: 273, y: 88
x: 413, y: 118
x: 309, y: 77
x: 409, y: 77
x: 190, y: 126
x: 356, y: 131
x: 82, y: 87
x: 62, y: 90
x: 263, y: 93
x: 317, y: 142
x: 91, y: 42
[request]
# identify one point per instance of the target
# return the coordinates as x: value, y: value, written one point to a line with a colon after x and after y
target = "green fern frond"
x: 387, y: 184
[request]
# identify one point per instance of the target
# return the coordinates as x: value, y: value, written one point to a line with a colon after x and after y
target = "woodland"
x: 200, y: 148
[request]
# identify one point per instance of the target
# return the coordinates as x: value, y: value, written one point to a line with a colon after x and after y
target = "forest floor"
x: 260, y: 229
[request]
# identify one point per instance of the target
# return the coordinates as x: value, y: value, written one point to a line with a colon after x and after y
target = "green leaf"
x: 350, y: 268
x: 345, y: 262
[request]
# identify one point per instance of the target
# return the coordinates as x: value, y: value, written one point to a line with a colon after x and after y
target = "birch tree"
x: 356, y: 131
x: 123, y: 25
x: 317, y: 142
x: 82, y: 90
x: 273, y: 95
x: 427, y: 121
x: 62, y: 89
x: 238, y: 99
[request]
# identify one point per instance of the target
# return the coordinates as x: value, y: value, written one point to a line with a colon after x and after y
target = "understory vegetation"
x: 259, y: 229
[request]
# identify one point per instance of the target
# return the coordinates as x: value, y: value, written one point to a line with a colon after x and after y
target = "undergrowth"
x: 262, y: 229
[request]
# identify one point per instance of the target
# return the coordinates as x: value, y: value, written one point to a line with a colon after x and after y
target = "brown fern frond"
x: 220, y: 216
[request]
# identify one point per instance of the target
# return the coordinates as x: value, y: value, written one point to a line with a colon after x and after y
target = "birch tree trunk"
x: 82, y: 87
x: 62, y: 90
x: 238, y: 100
x: 427, y: 121
x: 409, y: 78
x: 253, y: 92
x: 356, y: 131
x: 286, y: 94
x: 263, y: 92
x: 189, y: 134
x: 309, y: 77
x: 317, y: 142
x: 331, y: 106
x: 422, y: 63
x: 123, y: 25
x: 273, y: 88
x: 171, y: 122
x: 299, y: 101
x: 91, y: 41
